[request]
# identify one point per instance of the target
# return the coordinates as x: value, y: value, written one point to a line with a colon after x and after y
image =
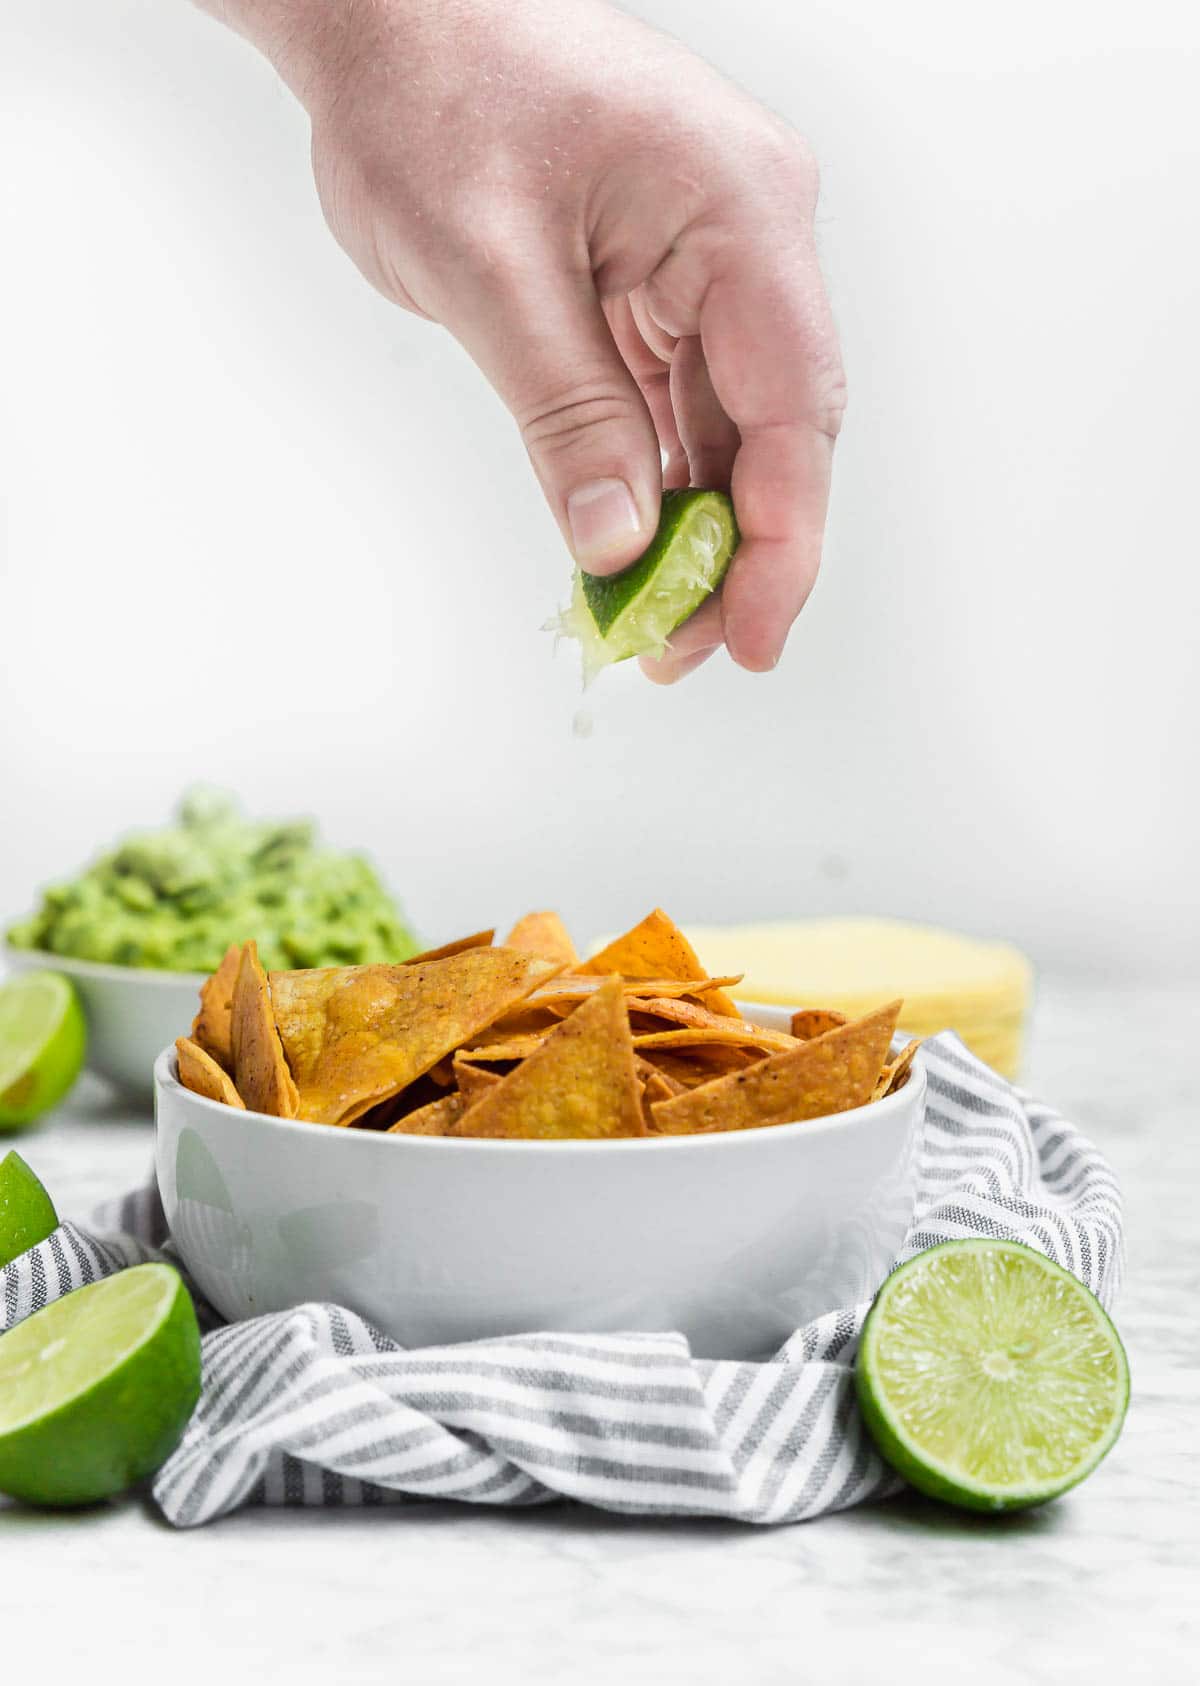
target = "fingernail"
x: 603, y: 518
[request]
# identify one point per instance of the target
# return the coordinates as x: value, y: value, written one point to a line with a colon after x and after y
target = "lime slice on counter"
x: 990, y: 1377
x: 634, y: 613
x: 96, y: 1390
x: 27, y: 1213
x: 43, y: 1039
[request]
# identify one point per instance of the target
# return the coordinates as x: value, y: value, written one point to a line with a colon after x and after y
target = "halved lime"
x: 634, y: 613
x: 27, y: 1213
x: 989, y: 1376
x: 96, y: 1390
x: 43, y: 1039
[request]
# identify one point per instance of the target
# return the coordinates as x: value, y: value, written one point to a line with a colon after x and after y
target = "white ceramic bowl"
x: 735, y: 1239
x: 130, y: 1012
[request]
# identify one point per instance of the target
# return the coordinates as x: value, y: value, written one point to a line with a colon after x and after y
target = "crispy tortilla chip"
x: 260, y: 1070
x: 438, y: 1118
x: 509, y: 1048
x: 580, y: 1083
x: 356, y: 1034
x: 200, y: 1073
x: 690, y: 1016
x: 212, y: 1027
x: 694, y: 1066
x: 739, y: 1035
x: 646, y: 1070
x: 473, y: 1079
x: 832, y: 1073
x: 815, y: 1021
x: 657, y: 1087
x: 657, y: 948
x: 460, y: 945
x: 567, y: 990
x: 544, y: 934
x: 895, y: 1075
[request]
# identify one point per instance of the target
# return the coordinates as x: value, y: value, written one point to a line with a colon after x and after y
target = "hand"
x: 620, y: 239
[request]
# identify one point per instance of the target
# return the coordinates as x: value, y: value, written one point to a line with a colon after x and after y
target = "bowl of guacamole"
x: 139, y: 928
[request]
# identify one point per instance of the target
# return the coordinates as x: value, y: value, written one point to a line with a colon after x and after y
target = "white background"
x: 256, y: 526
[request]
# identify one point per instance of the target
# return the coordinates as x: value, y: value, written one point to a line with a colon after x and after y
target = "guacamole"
x: 175, y: 899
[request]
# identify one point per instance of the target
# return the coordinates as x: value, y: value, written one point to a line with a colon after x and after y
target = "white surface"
x: 1099, y: 1587
x: 257, y: 525
x: 735, y: 1240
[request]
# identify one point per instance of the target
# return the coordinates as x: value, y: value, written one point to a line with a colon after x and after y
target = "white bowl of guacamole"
x: 139, y: 929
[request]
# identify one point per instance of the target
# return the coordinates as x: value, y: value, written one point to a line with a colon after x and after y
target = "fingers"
x: 771, y: 355
x: 706, y: 432
x: 538, y: 332
x: 653, y: 376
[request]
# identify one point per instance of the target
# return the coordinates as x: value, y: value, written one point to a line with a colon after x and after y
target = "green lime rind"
x: 27, y: 1214
x: 634, y: 613
x: 989, y: 1377
x: 43, y: 1040
x: 97, y: 1388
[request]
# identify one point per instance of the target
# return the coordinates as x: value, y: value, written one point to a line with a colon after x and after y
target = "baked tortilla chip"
x: 688, y: 1015
x: 832, y: 1073
x: 460, y: 945
x: 657, y: 948
x: 815, y: 1021
x: 438, y: 1118
x: 544, y: 934
x: 580, y: 1083
x: 356, y: 1034
x: 200, y: 1073
x: 473, y: 1079
x: 260, y: 1071
x: 895, y: 1075
x: 212, y: 1027
x: 739, y: 1035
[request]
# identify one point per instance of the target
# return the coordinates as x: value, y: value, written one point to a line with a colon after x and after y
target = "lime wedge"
x: 27, y: 1213
x: 634, y: 613
x: 96, y: 1390
x: 990, y: 1377
x: 43, y: 1039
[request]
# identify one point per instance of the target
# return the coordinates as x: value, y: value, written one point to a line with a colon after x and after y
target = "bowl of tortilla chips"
x: 498, y: 1137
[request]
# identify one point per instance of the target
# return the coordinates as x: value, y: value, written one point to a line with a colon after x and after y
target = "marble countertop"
x: 1100, y: 1586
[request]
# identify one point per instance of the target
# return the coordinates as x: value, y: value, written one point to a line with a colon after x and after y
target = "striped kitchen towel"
x: 314, y: 1407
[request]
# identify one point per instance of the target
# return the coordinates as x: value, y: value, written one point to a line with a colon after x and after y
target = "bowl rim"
x: 166, y: 1080
x: 100, y: 970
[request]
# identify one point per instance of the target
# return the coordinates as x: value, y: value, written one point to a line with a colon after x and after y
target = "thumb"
x: 548, y: 352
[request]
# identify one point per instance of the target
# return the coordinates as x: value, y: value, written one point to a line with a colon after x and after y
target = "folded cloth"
x: 314, y: 1407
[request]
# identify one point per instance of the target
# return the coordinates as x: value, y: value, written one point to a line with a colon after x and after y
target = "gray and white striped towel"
x: 314, y: 1407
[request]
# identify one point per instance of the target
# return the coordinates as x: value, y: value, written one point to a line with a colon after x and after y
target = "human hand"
x: 622, y: 241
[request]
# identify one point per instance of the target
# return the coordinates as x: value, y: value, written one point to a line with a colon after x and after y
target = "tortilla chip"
x: 567, y: 990
x: 646, y: 1071
x: 479, y: 939
x: 657, y: 948
x: 815, y: 1021
x: 689, y: 1016
x: 832, y: 1073
x: 508, y: 1048
x: 895, y: 1075
x: 260, y: 1069
x: 212, y: 1027
x: 200, y: 1073
x: 739, y: 1035
x: 473, y: 1079
x: 691, y: 1067
x: 580, y: 1083
x: 544, y: 934
x: 356, y: 1034
x: 657, y: 1087
x: 438, y: 1118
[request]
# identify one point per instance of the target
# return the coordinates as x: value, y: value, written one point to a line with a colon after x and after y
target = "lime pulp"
x: 43, y: 1039
x: 634, y: 613
x: 97, y: 1388
x: 989, y: 1376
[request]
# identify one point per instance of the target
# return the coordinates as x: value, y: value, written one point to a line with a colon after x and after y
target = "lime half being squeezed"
x: 634, y: 613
